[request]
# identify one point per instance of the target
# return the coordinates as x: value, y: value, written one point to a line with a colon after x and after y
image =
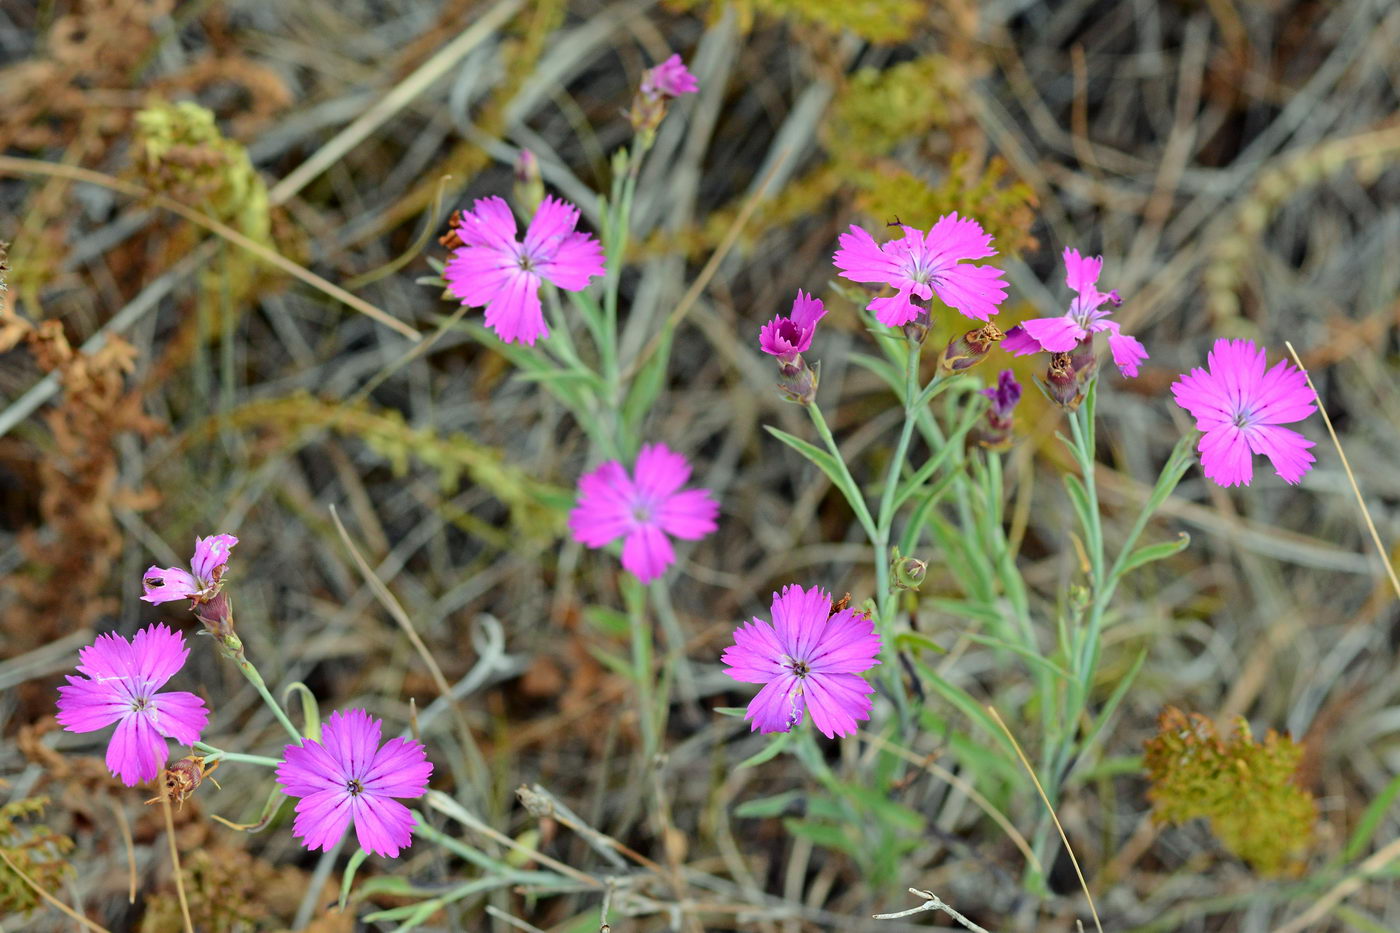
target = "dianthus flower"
x: 643, y: 508
x: 211, y: 554
x: 669, y: 79
x: 1238, y: 407
x: 494, y: 269
x: 924, y: 264
x: 120, y: 684
x: 1085, y: 318
x: 347, y: 776
x: 786, y: 337
x: 809, y: 659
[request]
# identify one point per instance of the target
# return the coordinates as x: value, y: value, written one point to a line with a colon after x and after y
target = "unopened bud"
x: 906, y: 573
x: 529, y: 184
x: 970, y: 349
x: 799, y: 382
x: 917, y: 329
x: 216, y: 614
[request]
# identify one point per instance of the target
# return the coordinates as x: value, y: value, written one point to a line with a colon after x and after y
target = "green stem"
x: 232, y: 648
x: 885, y: 521
x: 642, y: 650
x: 218, y: 754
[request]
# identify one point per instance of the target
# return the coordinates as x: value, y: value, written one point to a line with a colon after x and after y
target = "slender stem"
x: 885, y: 520
x: 642, y: 649
x: 218, y: 754
x: 232, y: 649
x: 856, y: 501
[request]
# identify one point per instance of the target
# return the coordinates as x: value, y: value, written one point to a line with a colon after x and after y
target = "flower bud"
x: 799, y: 382
x: 906, y: 573
x: 529, y: 184
x: 995, y: 432
x: 970, y: 349
x: 216, y: 614
x: 917, y: 329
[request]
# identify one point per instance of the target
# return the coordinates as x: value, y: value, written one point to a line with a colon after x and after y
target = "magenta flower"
x: 925, y: 264
x: 1005, y: 394
x: 643, y: 508
x: 785, y: 337
x: 669, y: 79
x: 211, y: 554
x: 1238, y: 407
x: 809, y: 659
x: 346, y: 776
x: 494, y: 269
x: 1084, y: 319
x: 119, y: 685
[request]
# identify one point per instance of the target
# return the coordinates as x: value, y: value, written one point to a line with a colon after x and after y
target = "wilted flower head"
x: 347, y: 777
x: 120, y: 684
x: 211, y: 555
x: 1238, y: 407
x: 996, y: 431
x: 643, y: 509
x: 785, y: 337
x: 809, y: 659
x: 669, y: 79
x: 970, y: 348
x: 494, y: 269
x: 1085, y: 318
x: 924, y: 264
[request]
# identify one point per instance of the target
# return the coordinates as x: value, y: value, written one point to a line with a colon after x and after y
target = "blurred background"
x: 162, y: 376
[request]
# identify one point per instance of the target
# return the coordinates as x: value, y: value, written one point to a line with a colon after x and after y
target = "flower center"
x: 354, y: 787
x: 800, y: 668
x: 525, y: 261
x: 1243, y: 418
x: 140, y: 704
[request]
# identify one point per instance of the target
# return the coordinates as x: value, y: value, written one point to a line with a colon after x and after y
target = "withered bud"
x: 971, y: 348
x: 183, y: 778
x: 1060, y: 384
x: 450, y: 239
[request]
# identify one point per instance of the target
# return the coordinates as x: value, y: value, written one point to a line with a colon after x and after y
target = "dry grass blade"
x: 17, y: 166
x: 1343, y: 889
x: 175, y: 855
x: 387, y: 600
x: 1046, y: 800
x: 77, y: 917
x: 1381, y: 552
x: 125, y: 827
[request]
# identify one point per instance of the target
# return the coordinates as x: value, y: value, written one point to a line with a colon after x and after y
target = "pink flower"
x: 346, y: 776
x: 785, y: 337
x: 1238, y: 407
x: 808, y: 659
x: 494, y: 269
x: 211, y: 554
x: 1084, y: 318
x: 925, y: 264
x: 643, y: 509
x: 119, y: 685
x: 669, y: 79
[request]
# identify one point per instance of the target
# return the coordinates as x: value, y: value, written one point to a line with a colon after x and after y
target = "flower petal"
x: 1055, y: 334
x: 756, y: 655
x: 352, y: 738
x: 179, y: 715
x: 837, y: 701
x: 514, y: 312
x: 382, y: 826
x: 778, y: 706
x: 88, y: 705
x: 1225, y: 456
x: 322, y: 818
x: 659, y: 472
x: 158, y: 654
x: 1287, y: 450
x: 1127, y: 352
x: 799, y: 618
x: 647, y: 552
x: 136, y: 752
x: 308, y: 769
x: 688, y: 515
x: 848, y: 645
x: 603, y: 512
x: 401, y: 769
x: 211, y: 554
x: 167, y: 584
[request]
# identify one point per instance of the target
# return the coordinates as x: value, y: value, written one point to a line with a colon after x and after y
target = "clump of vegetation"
x: 1246, y: 789
x: 32, y: 849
